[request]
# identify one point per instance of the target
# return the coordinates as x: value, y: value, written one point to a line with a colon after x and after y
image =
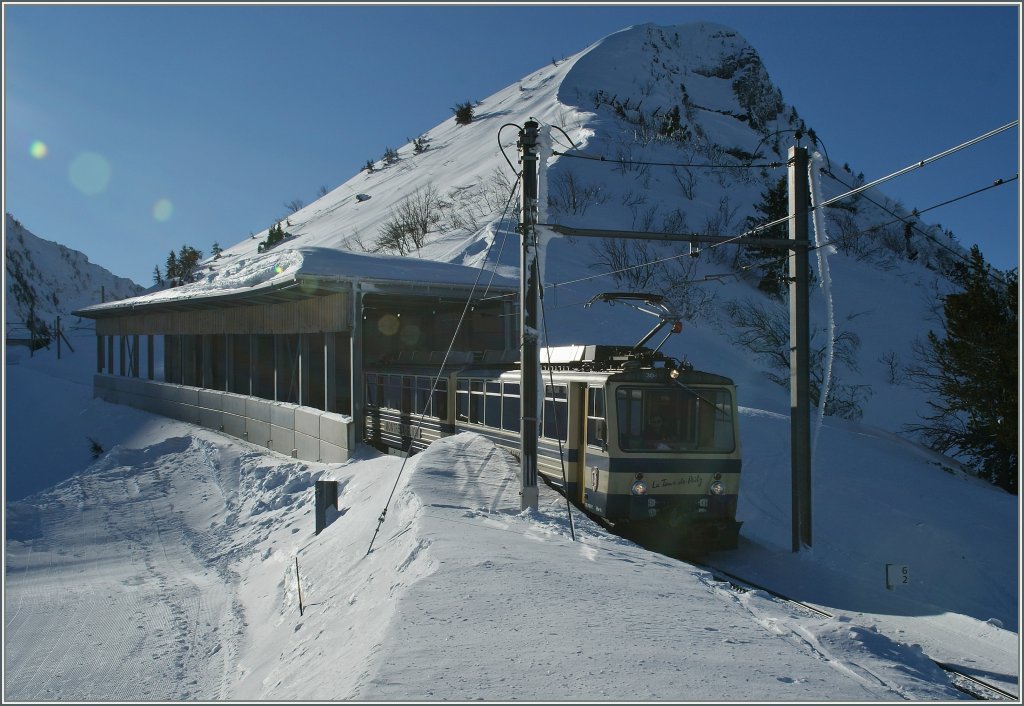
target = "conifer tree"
x: 188, y: 263
x: 172, y: 272
x: 463, y: 113
x: 769, y: 264
x: 972, y: 373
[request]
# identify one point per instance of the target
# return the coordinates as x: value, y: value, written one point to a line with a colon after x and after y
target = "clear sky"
x: 130, y: 131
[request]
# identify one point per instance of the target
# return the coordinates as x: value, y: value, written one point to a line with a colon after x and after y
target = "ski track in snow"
x: 180, y: 622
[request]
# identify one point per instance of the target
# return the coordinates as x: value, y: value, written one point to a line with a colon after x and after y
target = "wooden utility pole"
x: 799, y: 351
x: 529, y: 297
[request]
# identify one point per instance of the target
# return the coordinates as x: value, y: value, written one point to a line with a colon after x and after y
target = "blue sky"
x: 132, y: 130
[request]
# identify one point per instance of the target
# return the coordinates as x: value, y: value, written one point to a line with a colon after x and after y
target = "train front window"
x: 675, y: 419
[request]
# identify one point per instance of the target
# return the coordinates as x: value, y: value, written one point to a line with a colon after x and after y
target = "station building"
x: 279, y: 363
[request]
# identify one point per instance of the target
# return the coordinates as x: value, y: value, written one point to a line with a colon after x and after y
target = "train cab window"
x: 596, y: 425
x: 556, y: 408
x: 675, y: 419
x: 510, y: 411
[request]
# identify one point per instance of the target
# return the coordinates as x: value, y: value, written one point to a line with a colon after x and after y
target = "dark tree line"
x: 180, y: 268
x: 972, y: 374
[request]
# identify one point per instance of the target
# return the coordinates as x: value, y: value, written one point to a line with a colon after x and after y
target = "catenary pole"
x: 529, y: 297
x: 799, y: 353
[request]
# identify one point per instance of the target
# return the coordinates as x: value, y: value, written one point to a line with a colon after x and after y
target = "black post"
x: 799, y: 354
x: 529, y: 297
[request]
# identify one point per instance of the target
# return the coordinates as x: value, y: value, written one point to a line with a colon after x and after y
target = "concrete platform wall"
x: 300, y: 432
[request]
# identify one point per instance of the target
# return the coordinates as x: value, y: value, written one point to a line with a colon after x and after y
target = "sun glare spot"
x: 162, y: 210
x: 388, y: 324
x: 37, y: 149
x: 90, y: 173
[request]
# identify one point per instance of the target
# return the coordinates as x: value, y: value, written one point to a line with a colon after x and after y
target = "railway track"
x: 960, y: 680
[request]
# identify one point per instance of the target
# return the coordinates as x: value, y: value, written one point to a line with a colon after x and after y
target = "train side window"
x: 372, y: 390
x: 597, y: 432
x: 510, y: 407
x: 408, y: 393
x: 392, y: 393
x: 440, y: 403
x: 462, y: 401
x: 476, y: 401
x: 556, y: 406
x: 424, y: 404
x: 492, y: 411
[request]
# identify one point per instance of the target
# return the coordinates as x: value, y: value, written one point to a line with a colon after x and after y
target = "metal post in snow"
x: 529, y: 297
x: 799, y: 352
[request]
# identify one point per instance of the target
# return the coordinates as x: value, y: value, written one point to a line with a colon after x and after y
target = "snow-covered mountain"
x: 46, y: 280
x: 670, y: 129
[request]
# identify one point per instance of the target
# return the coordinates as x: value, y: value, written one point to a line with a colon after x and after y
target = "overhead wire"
x: 907, y: 220
x: 502, y: 147
x: 918, y: 165
x: 641, y: 163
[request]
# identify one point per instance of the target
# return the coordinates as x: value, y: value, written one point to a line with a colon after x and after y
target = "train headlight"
x: 639, y: 488
x: 716, y: 488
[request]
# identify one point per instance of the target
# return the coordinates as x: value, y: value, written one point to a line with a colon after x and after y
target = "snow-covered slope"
x: 49, y: 280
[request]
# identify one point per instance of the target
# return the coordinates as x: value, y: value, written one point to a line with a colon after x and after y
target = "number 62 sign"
x: 896, y: 575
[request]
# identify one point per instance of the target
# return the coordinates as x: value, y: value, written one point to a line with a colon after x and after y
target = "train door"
x: 595, y: 439
x: 578, y: 439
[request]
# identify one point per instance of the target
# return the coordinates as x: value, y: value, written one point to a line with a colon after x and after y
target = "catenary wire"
x: 605, y: 160
x: 907, y: 220
x: 918, y: 165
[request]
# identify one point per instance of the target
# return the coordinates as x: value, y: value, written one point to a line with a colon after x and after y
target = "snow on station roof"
x: 302, y: 273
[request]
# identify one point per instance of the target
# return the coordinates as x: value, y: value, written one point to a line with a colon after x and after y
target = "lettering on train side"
x: 402, y: 429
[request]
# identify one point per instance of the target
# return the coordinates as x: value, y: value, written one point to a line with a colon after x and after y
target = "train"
x: 631, y: 436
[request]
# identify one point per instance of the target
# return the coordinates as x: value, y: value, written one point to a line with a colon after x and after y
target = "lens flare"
x: 38, y: 149
x: 388, y: 324
x: 162, y: 210
x: 410, y: 334
x: 90, y: 173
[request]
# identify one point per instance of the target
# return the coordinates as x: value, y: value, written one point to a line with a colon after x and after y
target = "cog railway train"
x: 631, y: 436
